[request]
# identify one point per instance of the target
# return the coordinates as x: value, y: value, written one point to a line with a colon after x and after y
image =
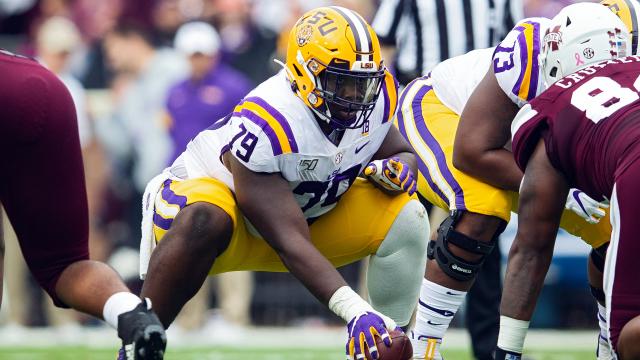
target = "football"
x: 400, y: 348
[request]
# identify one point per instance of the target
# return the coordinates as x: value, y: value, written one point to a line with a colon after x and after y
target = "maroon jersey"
x: 590, y: 123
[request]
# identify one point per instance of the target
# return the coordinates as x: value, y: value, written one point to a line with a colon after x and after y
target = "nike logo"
x: 446, y: 313
x: 361, y: 147
x: 424, y: 337
x: 450, y: 293
x: 576, y: 195
x: 432, y: 323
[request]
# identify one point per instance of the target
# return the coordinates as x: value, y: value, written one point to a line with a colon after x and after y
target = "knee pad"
x: 452, y: 265
x: 396, y: 269
x: 409, y: 230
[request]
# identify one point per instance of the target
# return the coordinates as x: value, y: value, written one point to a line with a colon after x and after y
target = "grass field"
x: 75, y: 353
x: 259, y: 344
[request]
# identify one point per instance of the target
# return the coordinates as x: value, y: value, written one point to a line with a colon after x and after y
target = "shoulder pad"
x: 259, y: 135
x: 516, y: 62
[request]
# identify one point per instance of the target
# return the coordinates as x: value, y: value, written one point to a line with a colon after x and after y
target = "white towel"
x: 148, y: 241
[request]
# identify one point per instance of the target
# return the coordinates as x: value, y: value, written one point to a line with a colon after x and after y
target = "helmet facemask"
x: 348, y: 97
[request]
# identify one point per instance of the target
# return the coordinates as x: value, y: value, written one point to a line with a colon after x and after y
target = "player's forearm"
x: 495, y: 167
x: 319, y: 276
x: 313, y: 270
x: 526, y: 270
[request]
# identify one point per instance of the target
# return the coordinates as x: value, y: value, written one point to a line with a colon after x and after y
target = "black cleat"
x: 142, y: 334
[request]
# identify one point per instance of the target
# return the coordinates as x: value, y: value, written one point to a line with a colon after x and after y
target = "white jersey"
x: 515, y: 64
x: 455, y: 79
x: 273, y: 131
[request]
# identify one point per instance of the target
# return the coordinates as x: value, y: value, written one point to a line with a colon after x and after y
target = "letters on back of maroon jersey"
x: 585, y: 121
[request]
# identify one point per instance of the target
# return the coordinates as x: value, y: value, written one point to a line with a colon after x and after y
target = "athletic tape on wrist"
x: 347, y: 304
x: 512, y: 334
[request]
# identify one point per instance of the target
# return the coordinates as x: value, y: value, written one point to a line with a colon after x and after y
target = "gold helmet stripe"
x: 359, y: 30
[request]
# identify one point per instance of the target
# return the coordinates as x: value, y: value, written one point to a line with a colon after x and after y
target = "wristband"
x: 347, y: 304
x: 512, y: 334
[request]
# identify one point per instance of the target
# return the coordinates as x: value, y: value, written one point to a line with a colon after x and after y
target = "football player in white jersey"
x: 458, y: 119
x: 274, y: 186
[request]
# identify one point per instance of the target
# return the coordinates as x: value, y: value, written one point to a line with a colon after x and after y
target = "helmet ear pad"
x: 579, y: 35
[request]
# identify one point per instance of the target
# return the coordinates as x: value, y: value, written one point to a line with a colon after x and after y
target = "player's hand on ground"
x: 363, y: 330
x: 392, y: 174
x: 587, y: 208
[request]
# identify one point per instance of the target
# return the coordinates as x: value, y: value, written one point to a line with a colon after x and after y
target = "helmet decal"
x: 629, y: 12
x: 618, y: 45
x: 553, y: 38
x: 579, y: 35
x: 304, y: 34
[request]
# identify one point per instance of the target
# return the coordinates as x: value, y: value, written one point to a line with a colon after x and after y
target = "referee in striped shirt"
x: 426, y: 32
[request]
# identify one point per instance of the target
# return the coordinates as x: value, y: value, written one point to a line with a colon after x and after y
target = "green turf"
x: 75, y: 353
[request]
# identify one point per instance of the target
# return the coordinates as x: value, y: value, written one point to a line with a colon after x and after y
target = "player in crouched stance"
x: 582, y: 132
x: 274, y: 187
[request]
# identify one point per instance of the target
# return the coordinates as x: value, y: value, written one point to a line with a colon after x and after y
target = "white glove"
x: 587, y: 208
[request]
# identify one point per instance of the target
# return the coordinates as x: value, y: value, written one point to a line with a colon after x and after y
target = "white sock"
x: 436, y: 309
x: 602, y: 321
x: 117, y: 304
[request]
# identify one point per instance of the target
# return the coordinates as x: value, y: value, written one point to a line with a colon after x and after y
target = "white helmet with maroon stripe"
x: 582, y: 34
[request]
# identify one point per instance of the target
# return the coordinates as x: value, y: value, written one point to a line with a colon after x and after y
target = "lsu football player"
x: 458, y: 119
x: 275, y: 186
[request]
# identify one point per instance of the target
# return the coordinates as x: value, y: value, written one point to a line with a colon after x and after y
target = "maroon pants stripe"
x: 622, y: 284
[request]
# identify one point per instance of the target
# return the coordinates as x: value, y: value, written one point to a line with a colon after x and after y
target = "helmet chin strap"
x: 286, y: 69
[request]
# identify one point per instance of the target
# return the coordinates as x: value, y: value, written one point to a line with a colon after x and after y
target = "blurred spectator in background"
x: 167, y: 16
x: 133, y: 135
x: 95, y: 19
x: 56, y: 40
x: 245, y: 45
x: 135, y: 131
x: 209, y: 93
